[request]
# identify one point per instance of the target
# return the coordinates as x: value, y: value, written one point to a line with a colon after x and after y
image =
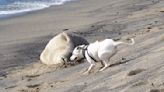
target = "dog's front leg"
x: 92, y: 64
x: 89, y: 69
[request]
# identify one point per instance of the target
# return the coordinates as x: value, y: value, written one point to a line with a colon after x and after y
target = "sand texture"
x: 137, y: 68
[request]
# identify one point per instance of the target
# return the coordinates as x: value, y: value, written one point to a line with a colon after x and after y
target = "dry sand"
x: 137, y: 68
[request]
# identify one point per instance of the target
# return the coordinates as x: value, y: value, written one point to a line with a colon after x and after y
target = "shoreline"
x: 19, y: 13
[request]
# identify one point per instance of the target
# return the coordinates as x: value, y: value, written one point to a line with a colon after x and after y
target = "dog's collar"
x: 85, y: 49
x: 91, y: 56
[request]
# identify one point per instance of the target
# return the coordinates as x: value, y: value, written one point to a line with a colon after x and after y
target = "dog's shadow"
x: 123, y: 61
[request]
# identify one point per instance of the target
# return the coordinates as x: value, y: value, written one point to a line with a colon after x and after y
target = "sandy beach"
x: 137, y: 68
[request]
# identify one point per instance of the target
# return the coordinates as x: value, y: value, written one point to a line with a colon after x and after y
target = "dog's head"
x: 77, y: 53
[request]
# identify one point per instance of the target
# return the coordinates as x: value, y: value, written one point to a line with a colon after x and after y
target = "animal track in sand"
x: 33, y: 86
x: 135, y: 72
x: 139, y: 83
x: 29, y: 90
x: 32, y: 76
x: 155, y: 90
x: 11, y: 87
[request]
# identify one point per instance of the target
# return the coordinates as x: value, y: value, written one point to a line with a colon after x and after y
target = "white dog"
x: 97, y: 51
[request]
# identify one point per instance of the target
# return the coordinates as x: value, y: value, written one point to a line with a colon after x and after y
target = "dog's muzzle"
x: 73, y: 58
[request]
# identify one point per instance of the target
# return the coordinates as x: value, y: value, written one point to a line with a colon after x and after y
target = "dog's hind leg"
x: 105, y: 58
x: 105, y: 65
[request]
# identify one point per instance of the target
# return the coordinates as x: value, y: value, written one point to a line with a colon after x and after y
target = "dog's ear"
x: 85, y: 47
x: 78, y: 48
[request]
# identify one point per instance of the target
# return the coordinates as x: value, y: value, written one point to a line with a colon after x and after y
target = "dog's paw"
x: 85, y: 73
x: 103, y: 68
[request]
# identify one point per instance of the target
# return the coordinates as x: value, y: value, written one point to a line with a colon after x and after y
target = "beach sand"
x: 137, y: 68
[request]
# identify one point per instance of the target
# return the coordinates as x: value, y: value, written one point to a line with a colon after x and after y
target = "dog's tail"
x: 132, y: 42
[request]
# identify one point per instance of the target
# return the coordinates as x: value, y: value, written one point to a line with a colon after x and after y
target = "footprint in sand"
x: 30, y: 77
x: 156, y: 90
x: 139, y: 84
x: 33, y: 86
x: 135, y: 72
x: 29, y: 90
x: 11, y: 87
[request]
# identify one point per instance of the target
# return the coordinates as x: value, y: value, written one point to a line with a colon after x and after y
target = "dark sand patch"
x: 135, y: 72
